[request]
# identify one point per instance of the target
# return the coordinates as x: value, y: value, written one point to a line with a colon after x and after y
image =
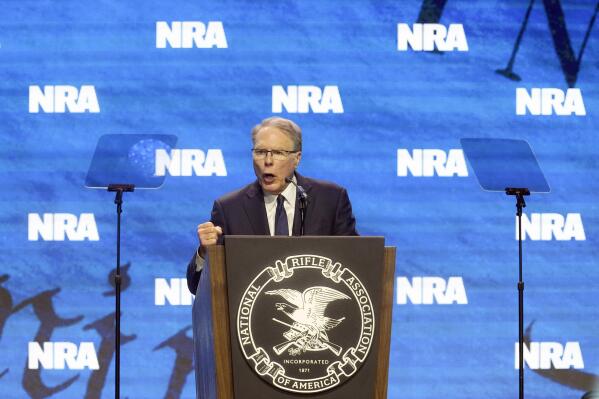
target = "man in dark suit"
x: 270, y: 205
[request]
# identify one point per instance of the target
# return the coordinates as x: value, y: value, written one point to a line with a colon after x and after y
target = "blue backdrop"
x: 76, y: 70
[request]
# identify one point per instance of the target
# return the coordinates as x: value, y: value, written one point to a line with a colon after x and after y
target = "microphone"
x: 303, y: 198
x: 302, y: 193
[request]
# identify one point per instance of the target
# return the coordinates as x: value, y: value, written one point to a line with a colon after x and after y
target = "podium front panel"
x: 303, y: 315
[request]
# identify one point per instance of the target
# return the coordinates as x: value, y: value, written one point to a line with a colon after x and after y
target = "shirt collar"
x: 289, y: 193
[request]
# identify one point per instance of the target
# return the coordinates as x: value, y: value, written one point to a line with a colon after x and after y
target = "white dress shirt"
x: 270, y: 203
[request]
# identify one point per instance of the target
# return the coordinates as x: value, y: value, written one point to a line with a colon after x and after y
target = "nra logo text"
x: 549, y: 101
x: 61, y: 226
x: 431, y: 290
x: 190, y: 34
x: 552, y: 226
x: 61, y: 99
x: 190, y: 162
x: 431, y: 37
x: 550, y: 355
x: 431, y: 162
x: 61, y: 355
x: 304, y: 99
x: 174, y: 291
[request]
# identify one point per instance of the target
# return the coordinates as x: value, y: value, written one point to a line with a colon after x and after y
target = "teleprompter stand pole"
x: 520, y: 193
x: 119, y: 189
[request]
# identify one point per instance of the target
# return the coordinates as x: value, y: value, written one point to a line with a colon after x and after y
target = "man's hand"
x: 208, y: 233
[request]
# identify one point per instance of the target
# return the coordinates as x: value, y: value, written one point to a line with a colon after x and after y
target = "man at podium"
x: 271, y: 204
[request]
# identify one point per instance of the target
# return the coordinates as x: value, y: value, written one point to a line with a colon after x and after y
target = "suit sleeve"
x: 193, y: 275
x: 217, y: 217
x: 345, y: 223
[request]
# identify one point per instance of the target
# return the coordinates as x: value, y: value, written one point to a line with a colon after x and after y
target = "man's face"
x: 271, y: 173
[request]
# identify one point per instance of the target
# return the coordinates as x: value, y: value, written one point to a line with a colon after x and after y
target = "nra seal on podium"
x: 306, y: 324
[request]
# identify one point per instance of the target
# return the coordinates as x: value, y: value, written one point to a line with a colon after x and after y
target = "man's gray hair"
x: 290, y: 128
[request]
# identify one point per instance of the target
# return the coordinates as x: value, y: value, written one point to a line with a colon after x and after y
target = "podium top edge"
x: 265, y: 237
x: 300, y: 237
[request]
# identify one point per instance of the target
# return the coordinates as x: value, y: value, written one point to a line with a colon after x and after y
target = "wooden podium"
x: 292, y: 317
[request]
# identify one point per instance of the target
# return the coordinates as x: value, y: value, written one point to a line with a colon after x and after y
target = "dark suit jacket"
x: 242, y: 212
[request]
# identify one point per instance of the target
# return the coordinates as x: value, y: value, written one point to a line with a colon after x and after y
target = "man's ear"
x: 298, y: 157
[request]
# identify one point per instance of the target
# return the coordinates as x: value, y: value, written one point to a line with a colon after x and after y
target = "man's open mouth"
x: 268, y: 178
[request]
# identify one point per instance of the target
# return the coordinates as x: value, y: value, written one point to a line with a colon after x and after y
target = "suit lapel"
x: 253, y: 205
x: 297, y: 220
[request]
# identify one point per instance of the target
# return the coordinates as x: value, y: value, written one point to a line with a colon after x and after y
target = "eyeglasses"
x: 277, y: 155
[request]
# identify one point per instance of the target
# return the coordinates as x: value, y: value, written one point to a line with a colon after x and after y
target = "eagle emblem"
x: 308, y: 330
